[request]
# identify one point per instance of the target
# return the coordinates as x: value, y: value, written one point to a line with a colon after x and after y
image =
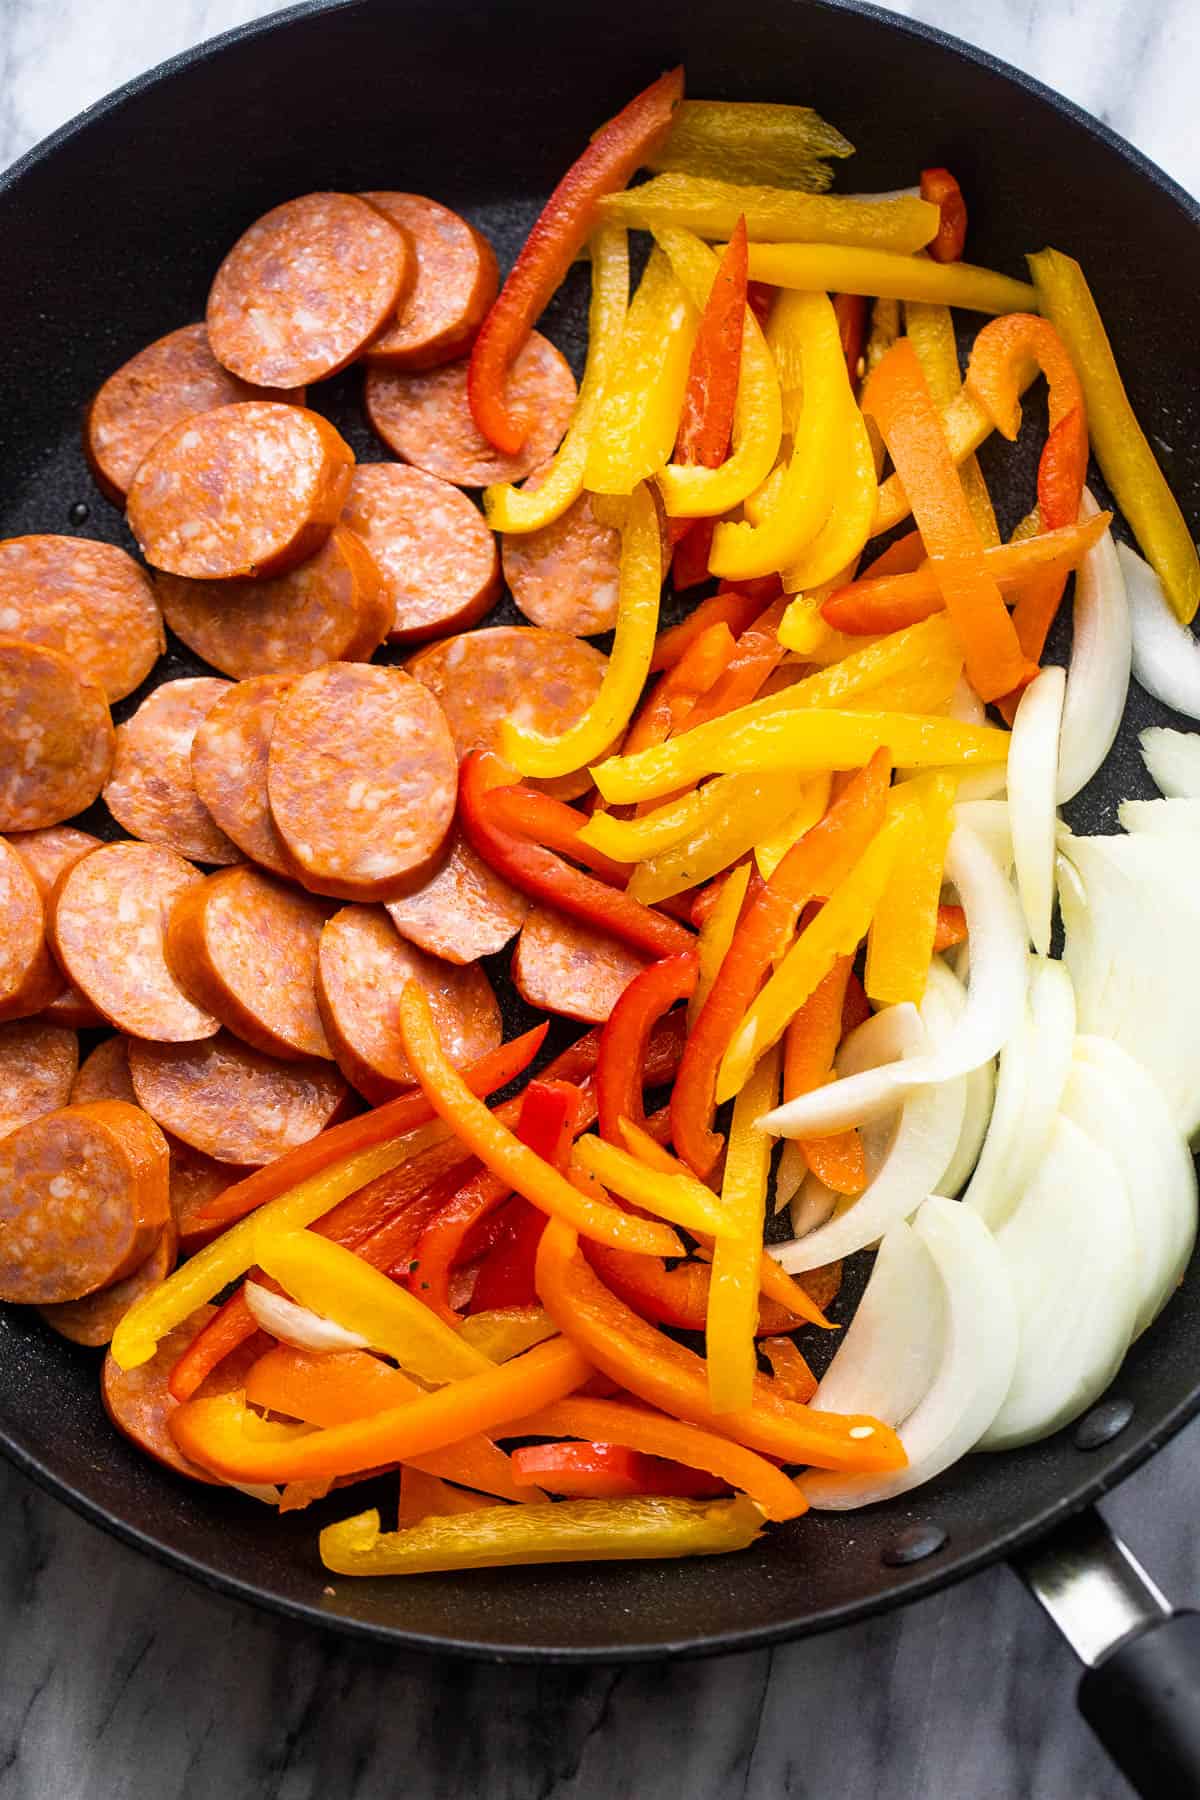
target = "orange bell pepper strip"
x: 222, y: 1437
x: 706, y: 422
x: 795, y: 1379
x: 565, y: 223
x: 591, y: 1471
x: 679, y: 1296
x: 667, y: 1375
x: 951, y: 928
x: 940, y: 188
x: 814, y: 865
x: 673, y: 697
x: 655, y: 1434
x: 429, y: 1497
x: 757, y: 654
x: 495, y: 1145
x: 731, y: 608
x: 809, y: 1047
x: 900, y: 558
x: 620, y: 1070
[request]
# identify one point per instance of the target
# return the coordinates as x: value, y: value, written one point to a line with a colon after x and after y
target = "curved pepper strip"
x: 674, y: 1195
x: 809, y: 1047
x: 620, y: 1069
x: 563, y: 227
x: 592, y: 1471
x: 638, y: 839
x: 732, y: 608
x: 835, y: 268
x: 526, y: 812
x: 903, y: 933
x: 940, y: 188
x: 716, y: 934
x: 508, y: 1331
x: 841, y: 538
x: 809, y: 810
x: 733, y: 1293
x: 667, y: 1375
x: 711, y: 208
x: 791, y: 1373
x: 640, y: 587
x: 637, y: 421
x: 931, y: 330
x: 672, y: 699
x: 757, y: 654
x: 679, y: 1296
x: 756, y: 806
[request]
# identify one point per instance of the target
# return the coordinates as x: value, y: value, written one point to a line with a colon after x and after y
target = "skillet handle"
x: 1140, y: 1692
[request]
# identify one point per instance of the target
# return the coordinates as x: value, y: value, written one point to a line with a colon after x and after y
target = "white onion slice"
x: 989, y: 820
x: 297, y: 1325
x: 995, y: 996
x: 986, y: 783
x: 790, y: 1174
x: 1172, y: 759
x: 965, y: 704
x: 980, y: 1097
x: 1071, y: 1258
x: 979, y: 1354
x: 1101, y: 655
x: 814, y: 1204
x: 1166, y: 655
x: 1160, y: 818
x: 885, y: 1364
x: 1032, y: 777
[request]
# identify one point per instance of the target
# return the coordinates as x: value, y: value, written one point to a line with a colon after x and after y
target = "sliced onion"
x: 1034, y: 1066
x: 1101, y: 654
x: 789, y: 1175
x: 979, y: 1354
x: 1166, y: 656
x: 1071, y: 1257
x: 990, y: 822
x: 965, y: 704
x: 296, y: 1325
x: 1172, y: 759
x: 980, y: 1096
x: 813, y: 1205
x: 1161, y: 818
x: 885, y: 1364
x: 1032, y: 776
x: 995, y: 996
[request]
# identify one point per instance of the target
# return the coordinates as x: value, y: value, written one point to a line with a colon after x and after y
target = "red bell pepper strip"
x: 812, y: 866
x: 231, y: 1326
x: 620, y: 1072
x: 679, y: 1296
x: 693, y: 547
x: 706, y: 421
x: 760, y: 296
x: 851, y: 311
x: 528, y: 813
x: 730, y: 607
x: 538, y: 872
x: 566, y: 222
x: 676, y: 693
x: 506, y: 1273
x: 939, y: 187
x: 900, y: 558
x: 609, y: 1471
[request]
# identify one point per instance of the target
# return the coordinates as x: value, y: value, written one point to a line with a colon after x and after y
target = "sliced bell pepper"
x: 789, y: 1369
x: 842, y: 269
x: 678, y: 1197
x: 526, y: 812
x: 731, y: 608
x: 904, y: 931
x: 710, y: 208
x: 506, y: 1331
x: 809, y: 1046
x: 429, y: 1497
x: 718, y: 292
x: 836, y: 931
x: 231, y: 1326
x: 511, y: 509
x: 591, y: 1471
x: 931, y: 332
x: 538, y: 872
x: 689, y: 558
x: 901, y: 557
x: 820, y: 861
x: 851, y: 310
x: 810, y: 808
x: 561, y: 1531
x: 756, y: 141
x: 495, y: 1145
x: 679, y: 1296
x: 637, y: 422
x: 757, y: 654
x: 620, y: 1070
x: 733, y: 1294
x: 884, y: 330
x: 564, y: 226
x: 682, y: 816
x: 940, y: 188
x: 667, y: 1375
x: 966, y: 425
x: 756, y: 807
x: 673, y: 697
x: 505, y: 1279
x: 850, y: 523
x: 716, y: 935
x: 887, y: 663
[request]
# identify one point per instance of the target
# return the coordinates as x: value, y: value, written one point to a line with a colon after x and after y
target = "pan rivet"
x: 79, y: 512
x: 914, y: 1545
x: 1102, y: 1424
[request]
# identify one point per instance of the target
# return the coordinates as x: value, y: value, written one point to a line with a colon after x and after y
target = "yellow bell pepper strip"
x: 751, y: 141
x: 656, y: 1434
x: 637, y: 422
x: 809, y: 810
x: 566, y: 222
x: 733, y: 1294
x: 901, y: 941
x: 690, y: 489
x: 559, y: 1531
x: 427, y: 1497
x: 716, y: 935
x: 506, y: 1331
x: 805, y: 341
x: 828, y: 267
x: 870, y: 667
x: 504, y: 1153
x: 513, y: 509
x: 672, y: 1378
x: 757, y: 808
x: 836, y: 931
x: 219, y: 1433
x: 643, y: 837
x: 931, y: 331
x: 530, y: 752
x: 711, y: 208
x: 844, y: 534
x: 678, y: 1197
x: 333, y: 1281
x: 810, y: 738
x: 809, y: 1047
x: 1126, y: 460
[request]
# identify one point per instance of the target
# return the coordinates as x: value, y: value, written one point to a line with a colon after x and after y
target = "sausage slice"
x: 89, y: 600
x: 93, y: 1320
x: 56, y: 737
x: 29, y: 977
x: 566, y: 575
x: 140, y: 1404
x: 465, y: 912
x: 151, y: 791
x: 229, y: 767
x: 37, y: 1067
x: 432, y: 546
x: 456, y: 282
x: 47, y: 854
x: 232, y: 1102
x: 564, y: 967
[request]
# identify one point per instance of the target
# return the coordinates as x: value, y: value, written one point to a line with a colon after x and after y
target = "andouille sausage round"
x: 93, y: 1320
x: 566, y: 575
x: 140, y: 1404
x: 83, y: 1200
x: 456, y: 282
x: 229, y: 767
x: 232, y: 1102
x: 56, y: 737
x: 151, y: 791
x: 432, y: 546
x: 306, y: 288
x: 362, y: 779
x: 29, y: 976
x: 173, y: 378
x: 89, y: 600
x: 47, y: 854
x: 250, y: 489
x: 332, y: 608
x: 38, y: 1062
x: 561, y: 966
x: 464, y: 912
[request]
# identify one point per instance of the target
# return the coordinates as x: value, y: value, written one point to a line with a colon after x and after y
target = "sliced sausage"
x: 173, y: 378
x: 229, y: 767
x: 303, y: 291
x: 89, y: 600
x: 244, y: 946
x: 104, y: 1075
x: 464, y: 912
x: 232, y: 1102
x: 83, y: 1200
x: 362, y: 971
x: 151, y: 791
x: 432, y: 546
x: 108, y: 919
x: 56, y: 737
x: 566, y: 575
x: 564, y: 967
x: 37, y: 1067
x: 333, y: 608
x: 544, y: 679
x: 251, y: 489
x: 93, y: 1320
x: 456, y: 282
x: 29, y: 976
x: 425, y: 417
x: 362, y: 779
x: 140, y: 1404
x: 46, y: 854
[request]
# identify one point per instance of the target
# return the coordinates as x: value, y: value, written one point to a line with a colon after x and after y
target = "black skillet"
x: 111, y: 231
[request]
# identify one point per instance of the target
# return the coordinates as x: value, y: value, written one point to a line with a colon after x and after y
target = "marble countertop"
x: 122, y: 1681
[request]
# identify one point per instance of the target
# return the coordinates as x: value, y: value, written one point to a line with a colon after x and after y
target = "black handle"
x: 1143, y: 1703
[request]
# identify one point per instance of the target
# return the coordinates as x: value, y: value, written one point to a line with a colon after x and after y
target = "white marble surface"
x: 120, y: 1681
